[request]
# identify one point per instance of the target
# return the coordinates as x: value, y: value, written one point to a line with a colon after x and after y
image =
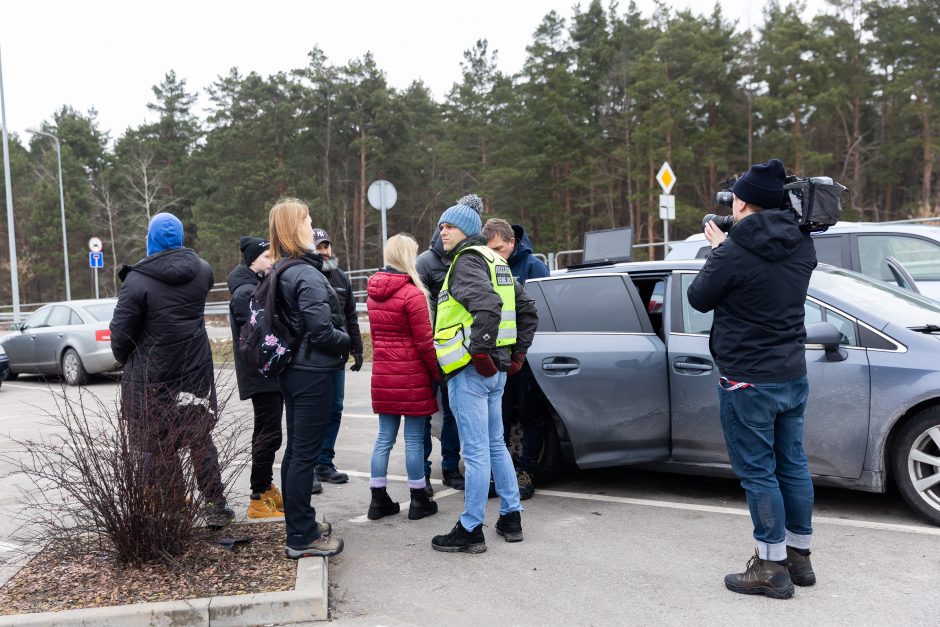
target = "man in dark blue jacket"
x: 756, y: 280
x: 522, y: 396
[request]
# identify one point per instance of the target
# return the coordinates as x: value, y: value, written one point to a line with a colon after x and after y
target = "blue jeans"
x: 763, y: 427
x: 336, y: 416
x: 450, y: 438
x: 414, y: 449
x: 477, y: 403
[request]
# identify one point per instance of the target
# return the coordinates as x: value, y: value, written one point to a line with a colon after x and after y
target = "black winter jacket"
x: 159, y: 332
x: 756, y: 282
x: 241, y: 283
x: 472, y: 287
x: 432, y: 267
x: 347, y: 304
x: 310, y: 306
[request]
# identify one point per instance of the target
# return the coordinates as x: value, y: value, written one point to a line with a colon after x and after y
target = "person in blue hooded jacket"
x: 523, y: 400
x: 168, y: 396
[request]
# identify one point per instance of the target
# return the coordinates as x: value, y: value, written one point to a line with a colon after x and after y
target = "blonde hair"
x: 400, y: 253
x: 284, y: 222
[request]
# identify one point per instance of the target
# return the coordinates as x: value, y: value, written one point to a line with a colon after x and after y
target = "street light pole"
x: 65, y: 243
x: 14, y: 277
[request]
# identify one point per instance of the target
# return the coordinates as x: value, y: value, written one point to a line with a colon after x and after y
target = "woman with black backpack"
x: 309, y: 307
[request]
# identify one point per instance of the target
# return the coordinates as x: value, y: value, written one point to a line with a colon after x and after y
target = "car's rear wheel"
x: 72, y: 368
x: 916, y: 464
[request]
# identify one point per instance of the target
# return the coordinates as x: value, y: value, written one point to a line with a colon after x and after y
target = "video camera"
x: 815, y: 201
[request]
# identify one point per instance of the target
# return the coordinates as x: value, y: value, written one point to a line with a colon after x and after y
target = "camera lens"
x: 724, y: 199
x: 724, y: 223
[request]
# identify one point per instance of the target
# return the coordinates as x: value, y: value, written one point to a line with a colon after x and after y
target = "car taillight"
x: 103, y: 335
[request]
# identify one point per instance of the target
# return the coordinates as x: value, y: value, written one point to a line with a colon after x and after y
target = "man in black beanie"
x: 755, y: 280
x: 266, y: 500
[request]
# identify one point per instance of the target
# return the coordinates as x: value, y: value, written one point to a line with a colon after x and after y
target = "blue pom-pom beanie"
x: 465, y: 215
x: 165, y: 232
x: 762, y: 185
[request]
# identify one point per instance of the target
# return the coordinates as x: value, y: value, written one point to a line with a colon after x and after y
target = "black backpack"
x: 266, y: 342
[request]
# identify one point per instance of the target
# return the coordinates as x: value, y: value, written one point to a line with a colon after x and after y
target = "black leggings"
x: 265, y: 439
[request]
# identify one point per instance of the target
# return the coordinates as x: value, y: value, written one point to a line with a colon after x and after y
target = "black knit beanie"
x: 762, y: 185
x: 252, y: 247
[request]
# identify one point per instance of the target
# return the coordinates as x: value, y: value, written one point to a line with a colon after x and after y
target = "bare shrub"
x: 132, y: 488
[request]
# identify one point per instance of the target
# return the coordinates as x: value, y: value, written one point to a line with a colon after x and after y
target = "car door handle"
x: 560, y: 367
x: 560, y: 364
x: 689, y: 365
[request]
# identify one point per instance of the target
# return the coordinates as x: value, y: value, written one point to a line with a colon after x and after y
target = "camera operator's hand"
x: 714, y: 235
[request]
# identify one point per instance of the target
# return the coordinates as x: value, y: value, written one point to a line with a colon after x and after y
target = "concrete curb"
x: 308, y: 601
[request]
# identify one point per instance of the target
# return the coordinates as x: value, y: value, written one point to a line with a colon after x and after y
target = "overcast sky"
x: 108, y: 54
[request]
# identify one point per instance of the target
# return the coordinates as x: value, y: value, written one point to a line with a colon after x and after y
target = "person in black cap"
x: 266, y: 500
x: 326, y: 469
x: 756, y: 280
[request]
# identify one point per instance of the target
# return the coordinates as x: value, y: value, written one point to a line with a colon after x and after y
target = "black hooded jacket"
x: 158, y: 330
x: 756, y: 282
x: 347, y: 303
x: 432, y: 266
x: 241, y: 283
x: 309, y: 304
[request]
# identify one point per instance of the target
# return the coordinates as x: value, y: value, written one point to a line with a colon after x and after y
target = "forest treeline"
x: 570, y: 143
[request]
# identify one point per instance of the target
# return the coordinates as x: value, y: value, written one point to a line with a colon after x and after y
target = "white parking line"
x: 20, y: 386
x: 844, y: 522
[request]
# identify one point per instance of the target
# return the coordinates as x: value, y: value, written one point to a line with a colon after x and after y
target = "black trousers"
x: 265, y: 439
x: 524, y: 401
x: 308, y: 398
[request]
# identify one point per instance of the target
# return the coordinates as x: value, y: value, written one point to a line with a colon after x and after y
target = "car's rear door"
x: 602, y: 368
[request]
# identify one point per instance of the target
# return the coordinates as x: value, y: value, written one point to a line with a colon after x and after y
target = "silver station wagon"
x: 623, y: 361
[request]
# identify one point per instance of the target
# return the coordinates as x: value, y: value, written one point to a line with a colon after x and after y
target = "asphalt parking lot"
x: 619, y: 546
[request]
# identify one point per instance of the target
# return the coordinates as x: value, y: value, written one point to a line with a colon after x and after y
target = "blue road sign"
x: 96, y: 260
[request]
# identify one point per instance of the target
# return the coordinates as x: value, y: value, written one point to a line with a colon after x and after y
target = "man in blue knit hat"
x: 755, y: 280
x: 485, y: 323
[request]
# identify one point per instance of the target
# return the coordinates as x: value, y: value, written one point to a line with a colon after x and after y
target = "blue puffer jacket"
x: 523, y: 264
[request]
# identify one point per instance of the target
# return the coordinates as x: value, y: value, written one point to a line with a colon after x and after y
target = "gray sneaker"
x: 324, y: 528
x: 218, y: 516
x: 324, y: 546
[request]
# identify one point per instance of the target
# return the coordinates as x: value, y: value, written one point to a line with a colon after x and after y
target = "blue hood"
x: 523, y: 265
x: 165, y: 232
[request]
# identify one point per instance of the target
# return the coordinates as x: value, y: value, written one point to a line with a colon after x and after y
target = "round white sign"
x: 94, y: 245
x: 382, y: 195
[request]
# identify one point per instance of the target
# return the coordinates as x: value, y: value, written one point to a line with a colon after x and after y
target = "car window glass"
x: 904, y: 307
x: 920, y: 257
x: 693, y: 320
x: 813, y: 312
x: 845, y: 326
x: 76, y: 319
x: 592, y: 304
x: 102, y: 312
x: 829, y: 249
x: 59, y: 317
x: 545, y: 317
x: 37, y: 320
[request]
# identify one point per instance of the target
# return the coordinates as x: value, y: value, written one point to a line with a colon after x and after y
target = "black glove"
x: 357, y: 362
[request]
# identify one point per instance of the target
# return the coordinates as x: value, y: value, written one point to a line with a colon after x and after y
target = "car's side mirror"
x: 826, y: 336
x: 17, y: 326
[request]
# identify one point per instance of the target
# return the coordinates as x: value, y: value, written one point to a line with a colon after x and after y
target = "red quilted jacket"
x: 403, y: 359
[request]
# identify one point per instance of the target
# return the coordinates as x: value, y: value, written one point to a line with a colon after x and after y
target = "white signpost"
x: 382, y: 196
x: 667, y: 202
x: 95, y: 258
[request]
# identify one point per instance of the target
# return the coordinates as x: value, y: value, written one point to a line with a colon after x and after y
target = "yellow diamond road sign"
x: 666, y: 177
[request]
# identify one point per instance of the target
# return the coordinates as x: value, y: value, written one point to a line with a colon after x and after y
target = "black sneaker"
x: 800, y: 567
x: 762, y: 577
x: 510, y: 526
x: 459, y: 540
x: 454, y: 479
x: 526, y: 485
x: 324, y: 546
x: 330, y: 474
x: 382, y: 505
x: 316, y: 487
x: 218, y: 515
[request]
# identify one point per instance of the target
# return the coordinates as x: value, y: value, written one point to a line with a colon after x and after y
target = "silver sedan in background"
x: 68, y: 338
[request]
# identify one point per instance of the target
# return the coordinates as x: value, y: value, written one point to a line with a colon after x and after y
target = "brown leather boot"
x: 762, y: 577
x: 800, y: 567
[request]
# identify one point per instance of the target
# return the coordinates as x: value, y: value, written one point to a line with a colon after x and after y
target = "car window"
x: 829, y: 250
x: 813, y: 312
x: 846, y: 327
x: 76, y: 319
x: 904, y: 307
x: 60, y: 317
x: 546, y: 324
x: 599, y: 304
x: 920, y: 257
x: 102, y: 312
x: 38, y: 319
x: 693, y: 320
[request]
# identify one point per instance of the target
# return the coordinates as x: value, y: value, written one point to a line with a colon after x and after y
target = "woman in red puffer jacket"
x: 404, y: 365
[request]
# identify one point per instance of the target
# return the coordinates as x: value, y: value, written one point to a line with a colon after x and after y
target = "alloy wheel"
x: 923, y: 466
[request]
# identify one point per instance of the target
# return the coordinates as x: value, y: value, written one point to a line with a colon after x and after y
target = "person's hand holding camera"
x: 714, y: 235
